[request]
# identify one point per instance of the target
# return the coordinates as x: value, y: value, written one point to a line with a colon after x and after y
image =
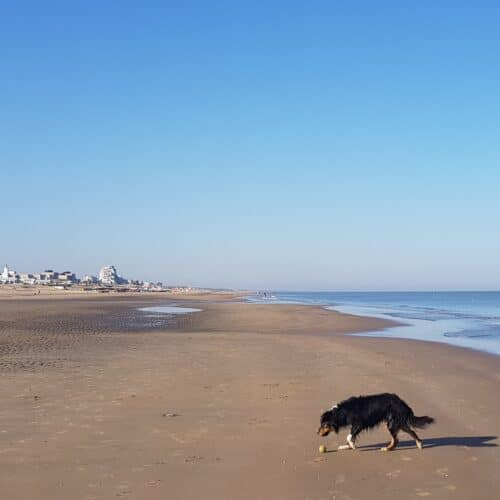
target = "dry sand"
x: 101, y: 401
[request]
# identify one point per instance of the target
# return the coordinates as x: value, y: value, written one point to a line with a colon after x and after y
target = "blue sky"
x: 272, y: 145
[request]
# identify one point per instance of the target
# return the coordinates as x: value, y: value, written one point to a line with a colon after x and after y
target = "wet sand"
x: 103, y: 401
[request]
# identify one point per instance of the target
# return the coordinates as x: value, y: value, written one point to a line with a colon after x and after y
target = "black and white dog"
x: 366, y: 412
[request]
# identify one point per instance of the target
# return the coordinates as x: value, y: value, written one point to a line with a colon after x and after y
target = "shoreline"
x: 385, y: 332
x: 368, y: 327
x: 225, y: 403
x: 477, y: 331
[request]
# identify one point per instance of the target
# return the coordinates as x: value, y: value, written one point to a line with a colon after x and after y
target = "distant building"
x: 109, y: 276
x: 27, y: 278
x: 39, y: 277
x: 50, y: 276
x: 89, y: 280
x: 47, y: 277
x: 9, y: 276
x: 5, y: 273
x: 67, y: 277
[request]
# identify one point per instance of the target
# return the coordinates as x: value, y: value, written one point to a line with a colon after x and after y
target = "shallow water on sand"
x: 465, y: 319
x: 169, y: 310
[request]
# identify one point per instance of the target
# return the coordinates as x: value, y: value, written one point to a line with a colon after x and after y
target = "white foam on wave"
x: 446, y: 330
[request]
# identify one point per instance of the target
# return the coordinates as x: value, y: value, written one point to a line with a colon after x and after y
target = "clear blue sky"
x: 274, y: 145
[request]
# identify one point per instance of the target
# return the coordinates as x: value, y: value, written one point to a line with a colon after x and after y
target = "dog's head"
x: 331, y: 420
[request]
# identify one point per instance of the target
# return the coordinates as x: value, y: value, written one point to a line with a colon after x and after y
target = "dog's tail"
x: 421, y: 422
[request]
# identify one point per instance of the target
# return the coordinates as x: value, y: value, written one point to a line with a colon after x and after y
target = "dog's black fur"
x: 366, y: 412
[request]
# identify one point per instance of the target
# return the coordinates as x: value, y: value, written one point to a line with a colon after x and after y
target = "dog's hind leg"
x: 414, y: 435
x: 394, y: 439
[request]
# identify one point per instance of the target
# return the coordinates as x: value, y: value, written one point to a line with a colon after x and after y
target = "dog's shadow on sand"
x: 462, y: 441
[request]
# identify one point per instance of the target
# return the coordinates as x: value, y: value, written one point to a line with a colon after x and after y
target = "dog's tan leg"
x: 394, y: 440
x: 414, y: 435
x: 350, y: 442
x: 349, y: 446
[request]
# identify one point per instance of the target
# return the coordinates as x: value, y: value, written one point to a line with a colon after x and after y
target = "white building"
x: 27, y: 278
x: 8, y: 276
x: 67, y: 277
x: 109, y: 276
x: 48, y: 277
x: 88, y: 279
x: 5, y: 274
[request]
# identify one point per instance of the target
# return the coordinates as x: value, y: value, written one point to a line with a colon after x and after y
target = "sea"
x: 465, y: 319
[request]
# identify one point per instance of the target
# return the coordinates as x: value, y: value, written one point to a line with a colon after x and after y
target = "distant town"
x: 107, y: 280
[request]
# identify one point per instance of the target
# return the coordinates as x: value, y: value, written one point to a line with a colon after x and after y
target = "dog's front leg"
x: 350, y: 444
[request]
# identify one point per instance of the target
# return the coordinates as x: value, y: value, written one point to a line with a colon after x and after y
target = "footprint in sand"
x: 422, y: 493
x: 256, y: 421
x: 451, y: 487
x: 339, y: 479
x: 406, y: 459
x: 393, y: 474
x: 443, y: 471
x: 124, y: 490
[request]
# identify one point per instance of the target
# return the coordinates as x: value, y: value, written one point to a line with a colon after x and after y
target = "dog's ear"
x: 325, y: 416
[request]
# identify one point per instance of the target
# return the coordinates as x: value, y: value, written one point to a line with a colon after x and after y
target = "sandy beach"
x: 103, y: 401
